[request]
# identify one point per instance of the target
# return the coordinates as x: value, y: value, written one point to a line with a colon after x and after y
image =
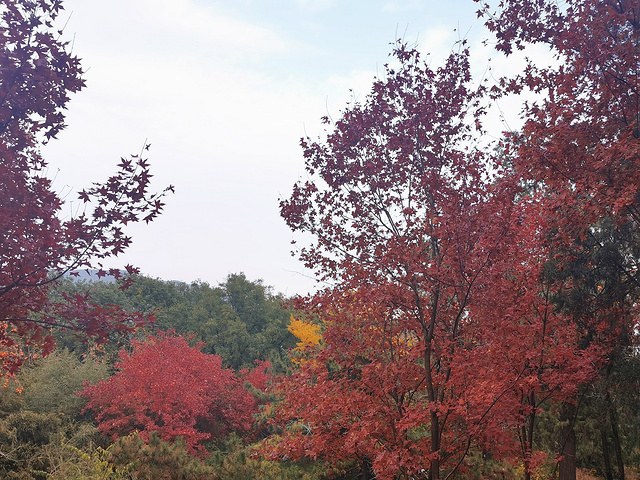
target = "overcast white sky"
x: 223, y: 90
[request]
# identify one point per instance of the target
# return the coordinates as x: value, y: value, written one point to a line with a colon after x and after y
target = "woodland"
x: 481, y: 318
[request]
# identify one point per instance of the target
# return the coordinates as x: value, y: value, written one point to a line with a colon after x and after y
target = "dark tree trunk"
x: 567, y: 444
x: 527, y: 443
x: 615, y: 435
x: 366, y: 471
x: 434, y: 468
x: 605, y: 451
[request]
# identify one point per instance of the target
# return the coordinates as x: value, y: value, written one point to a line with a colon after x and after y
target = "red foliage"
x: 440, y: 330
x: 582, y: 141
x: 258, y: 377
x: 36, y: 246
x: 406, y: 220
x: 580, y: 150
x: 165, y: 385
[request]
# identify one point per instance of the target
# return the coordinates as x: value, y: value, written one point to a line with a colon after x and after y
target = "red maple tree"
x: 580, y: 142
x: 580, y: 146
x: 37, y: 245
x: 441, y: 329
x: 167, y: 386
x: 408, y: 222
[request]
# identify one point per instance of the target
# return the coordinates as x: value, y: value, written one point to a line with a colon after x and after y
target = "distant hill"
x: 90, y: 276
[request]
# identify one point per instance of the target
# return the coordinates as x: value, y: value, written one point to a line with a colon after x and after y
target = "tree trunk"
x: 434, y: 468
x: 615, y: 435
x: 366, y: 471
x: 605, y: 451
x: 567, y: 445
x: 527, y: 434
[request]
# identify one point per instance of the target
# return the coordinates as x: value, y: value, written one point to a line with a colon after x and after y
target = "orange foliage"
x: 308, y: 333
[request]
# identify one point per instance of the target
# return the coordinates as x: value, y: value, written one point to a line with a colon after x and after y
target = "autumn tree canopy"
x: 408, y: 222
x: 448, y: 326
x: 579, y: 146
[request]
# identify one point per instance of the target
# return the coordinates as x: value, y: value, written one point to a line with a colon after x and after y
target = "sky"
x: 223, y: 90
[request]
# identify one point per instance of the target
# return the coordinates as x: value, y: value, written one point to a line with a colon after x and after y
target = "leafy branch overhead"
x: 38, y: 246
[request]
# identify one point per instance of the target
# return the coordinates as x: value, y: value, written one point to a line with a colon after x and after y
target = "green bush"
x: 157, y: 460
x: 50, y: 385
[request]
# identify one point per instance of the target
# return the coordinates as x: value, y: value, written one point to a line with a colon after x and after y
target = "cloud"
x: 175, y: 28
x: 437, y: 42
x: 188, y: 21
x: 399, y: 6
x: 223, y: 129
x: 223, y: 89
x: 313, y: 6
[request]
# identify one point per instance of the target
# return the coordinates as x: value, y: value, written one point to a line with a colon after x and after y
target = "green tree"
x: 51, y: 384
x: 240, y: 320
x: 157, y: 460
x: 40, y: 417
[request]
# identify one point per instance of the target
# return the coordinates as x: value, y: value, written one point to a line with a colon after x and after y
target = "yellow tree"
x: 309, y: 335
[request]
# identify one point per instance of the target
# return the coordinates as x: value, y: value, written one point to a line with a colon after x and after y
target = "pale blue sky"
x: 223, y: 90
